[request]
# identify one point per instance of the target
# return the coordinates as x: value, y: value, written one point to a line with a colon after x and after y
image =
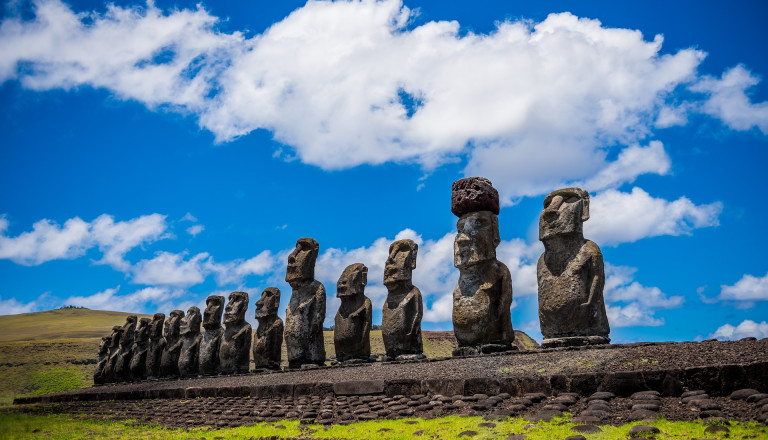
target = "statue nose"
x: 550, y: 215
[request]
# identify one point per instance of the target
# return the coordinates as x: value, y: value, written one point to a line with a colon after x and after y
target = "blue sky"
x: 153, y: 154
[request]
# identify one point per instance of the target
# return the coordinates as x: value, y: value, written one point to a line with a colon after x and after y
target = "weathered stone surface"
x: 138, y: 367
x: 403, y: 308
x: 483, y: 296
x: 235, y: 345
x: 570, y: 274
x: 268, y: 341
x: 190, y: 342
x: 208, y: 356
x: 473, y: 194
x: 99, y: 374
x: 122, y: 370
x: 156, y: 345
x: 306, y: 310
x: 358, y: 387
x: 351, y: 334
x: 169, y: 363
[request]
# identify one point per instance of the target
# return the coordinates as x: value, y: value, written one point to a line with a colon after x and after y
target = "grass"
x: 60, y: 324
x: 16, y: 426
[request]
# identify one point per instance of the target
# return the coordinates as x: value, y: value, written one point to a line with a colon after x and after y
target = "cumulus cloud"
x: 618, y: 217
x: 13, y: 307
x: 171, y: 269
x: 746, y: 329
x: 532, y: 105
x: 143, y: 300
x: 195, y: 229
x: 748, y: 288
x: 728, y: 101
x: 629, y: 303
x: 48, y: 241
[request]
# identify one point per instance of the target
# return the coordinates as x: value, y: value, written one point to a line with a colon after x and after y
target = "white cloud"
x: 145, y: 300
x: 188, y: 217
x: 195, y: 229
x: 728, y: 100
x: 639, y: 302
x: 48, y: 241
x: 13, y: 307
x: 333, y: 82
x: 748, y: 288
x: 747, y: 328
x: 235, y: 271
x: 168, y: 269
x: 618, y: 217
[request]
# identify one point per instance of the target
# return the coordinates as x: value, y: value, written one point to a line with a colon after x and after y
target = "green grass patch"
x: 15, y: 426
x: 57, y: 380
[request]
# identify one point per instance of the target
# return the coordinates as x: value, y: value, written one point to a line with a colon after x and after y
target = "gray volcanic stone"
x: 305, y: 314
x: 169, y: 363
x: 138, y: 367
x: 643, y: 429
x: 122, y: 370
x: 268, y: 341
x: 208, y: 357
x: 483, y: 296
x: 403, y: 308
x: 156, y: 345
x: 99, y: 374
x: 570, y: 274
x: 235, y: 345
x: 190, y: 342
x: 743, y: 393
x: 473, y: 194
x: 351, y: 334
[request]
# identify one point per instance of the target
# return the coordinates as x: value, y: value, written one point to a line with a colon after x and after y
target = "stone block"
x: 758, y: 375
x: 623, y: 383
x: 559, y: 383
x: 446, y: 387
x: 732, y: 377
x: 702, y: 378
x: 481, y: 385
x: 192, y: 392
x: 536, y: 384
x: 511, y: 385
x: 406, y: 387
x: 359, y: 387
x: 585, y: 384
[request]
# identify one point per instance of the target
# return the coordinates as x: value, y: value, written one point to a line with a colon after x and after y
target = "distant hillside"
x: 60, y: 324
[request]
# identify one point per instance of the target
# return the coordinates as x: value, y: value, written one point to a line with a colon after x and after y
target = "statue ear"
x: 584, y: 206
x: 496, y: 237
x: 364, y: 276
x: 414, y: 253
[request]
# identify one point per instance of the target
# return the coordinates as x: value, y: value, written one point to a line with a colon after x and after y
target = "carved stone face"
x: 301, y: 262
x: 157, y: 325
x: 117, y: 332
x: 142, y: 330
x: 191, y: 322
x: 401, y: 261
x: 106, y: 341
x: 565, y: 211
x: 173, y: 324
x: 236, y: 307
x: 214, y: 307
x: 352, y: 281
x: 129, y: 329
x: 269, y: 303
x: 477, y: 238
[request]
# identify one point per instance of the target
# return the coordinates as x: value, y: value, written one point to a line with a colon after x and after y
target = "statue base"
x: 574, y: 341
x: 474, y: 350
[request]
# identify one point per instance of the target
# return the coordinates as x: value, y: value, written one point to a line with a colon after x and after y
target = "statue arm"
x: 597, y: 281
x: 318, y: 308
x: 415, y: 302
x: 367, y: 310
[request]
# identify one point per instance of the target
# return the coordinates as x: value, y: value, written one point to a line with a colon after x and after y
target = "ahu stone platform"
x: 599, y: 384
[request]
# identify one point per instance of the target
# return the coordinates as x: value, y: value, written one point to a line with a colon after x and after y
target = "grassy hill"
x: 55, y: 350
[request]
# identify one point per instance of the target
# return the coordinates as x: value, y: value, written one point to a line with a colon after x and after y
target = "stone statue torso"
x: 304, y: 324
x: 208, y: 355
x: 235, y: 348
x: 188, y: 355
x: 352, y: 328
x: 401, y: 324
x: 481, y: 306
x: 268, y: 343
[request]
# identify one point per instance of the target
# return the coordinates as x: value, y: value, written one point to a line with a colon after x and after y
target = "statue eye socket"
x: 572, y: 199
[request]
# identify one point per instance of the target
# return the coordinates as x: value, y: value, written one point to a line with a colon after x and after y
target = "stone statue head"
x: 352, y: 281
x: 269, y: 303
x: 106, y: 341
x: 301, y: 262
x: 117, y: 332
x: 565, y: 211
x: 142, y: 330
x: 401, y: 261
x: 129, y: 328
x: 173, y: 324
x: 476, y: 238
x: 234, y: 313
x: 156, y: 327
x: 214, y: 307
x: 191, y: 322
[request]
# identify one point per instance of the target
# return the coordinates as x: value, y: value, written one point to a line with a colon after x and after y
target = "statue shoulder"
x: 592, y: 249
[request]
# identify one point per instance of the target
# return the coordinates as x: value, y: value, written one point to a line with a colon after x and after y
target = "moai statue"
x: 211, y: 341
x: 114, y: 353
x: 123, y: 365
x: 138, y: 368
x: 305, y: 314
x: 352, y: 325
x: 169, y: 362
x: 235, y: 345
x: 570, y: 274
x: 403, y: 309
x: 156, y: 345
x: 268, y: 343
x: 99, y: 376
x: 189, y: 330
x: 483, y: 296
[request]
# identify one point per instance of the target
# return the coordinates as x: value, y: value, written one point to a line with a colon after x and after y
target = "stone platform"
x: 527, y: 382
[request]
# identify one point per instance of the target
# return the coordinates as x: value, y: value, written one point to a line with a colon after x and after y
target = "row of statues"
x: 571, y: 307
